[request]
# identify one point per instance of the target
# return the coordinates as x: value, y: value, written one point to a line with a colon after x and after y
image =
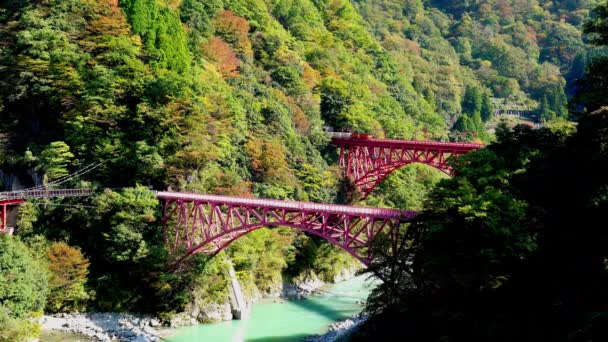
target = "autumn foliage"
x: 268, y: 160
x: 68, y: 270
x: 234, y: 30
x: 220, y: 53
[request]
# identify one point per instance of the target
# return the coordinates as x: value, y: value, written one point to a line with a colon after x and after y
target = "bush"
x: 23, y: 289
x: 13, y: 330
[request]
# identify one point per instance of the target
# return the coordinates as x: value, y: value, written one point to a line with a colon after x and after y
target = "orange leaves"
x: 300, y: 119
x: 268, y: 160
x: 394, y: 42
x: 227, y: 22
x: 234, y: 30
x: 220, y: 53
x: 232, y: 186
x: 504, y: 9
x: 67, y: 263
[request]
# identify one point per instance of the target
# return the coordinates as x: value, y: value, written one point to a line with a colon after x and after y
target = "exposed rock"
x: 103, y: 326
x: 346, y: 274
x: 214, y: 312
x: 340, y: 331
x: 240, y: 308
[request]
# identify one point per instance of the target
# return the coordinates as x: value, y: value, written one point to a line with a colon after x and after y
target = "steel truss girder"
x: 366, y: 162
x: 209, y: 226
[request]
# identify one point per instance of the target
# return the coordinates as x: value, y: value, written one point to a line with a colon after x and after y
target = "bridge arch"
x: 209, y: 223
x: 225, y: 239
x: 366, y: 162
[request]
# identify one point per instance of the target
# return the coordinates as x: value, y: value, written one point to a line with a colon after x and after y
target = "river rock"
x: 340, y: 330
x: 214, y: 312
x: 102, y: 326
x: 346, y: 274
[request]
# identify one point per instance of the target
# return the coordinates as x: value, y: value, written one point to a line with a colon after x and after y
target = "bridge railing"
x: 407, y: 144
x: 288, y: 205
x: 26, y: 194
x: 339, y: 135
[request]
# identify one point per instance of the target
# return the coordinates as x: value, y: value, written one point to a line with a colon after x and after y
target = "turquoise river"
x: 274, y: 320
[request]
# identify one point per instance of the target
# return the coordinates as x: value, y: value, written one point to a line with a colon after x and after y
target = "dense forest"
x: 231, y: 97
x: 513, y: 248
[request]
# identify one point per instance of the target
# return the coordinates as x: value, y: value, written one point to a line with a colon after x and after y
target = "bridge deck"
x: 288, y: 205
x: 408, y: 144
x: 25, y: 194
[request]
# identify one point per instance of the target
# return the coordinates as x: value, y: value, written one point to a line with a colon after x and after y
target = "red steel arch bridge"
x: 200, y: 223
x: 366, y: 161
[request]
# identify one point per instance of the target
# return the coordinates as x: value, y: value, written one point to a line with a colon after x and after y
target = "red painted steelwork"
x: 8, y: 198
x: 209, y: 223
x: 368, y: 161
x: 4, y: 204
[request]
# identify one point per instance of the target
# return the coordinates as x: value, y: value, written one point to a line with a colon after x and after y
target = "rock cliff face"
x: 238, y: 305
x: 195, y: 313
x: 240, y: 308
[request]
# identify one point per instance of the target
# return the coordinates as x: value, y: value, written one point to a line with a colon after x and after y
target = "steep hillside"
x: 526, y: 54
x: 230, y: 97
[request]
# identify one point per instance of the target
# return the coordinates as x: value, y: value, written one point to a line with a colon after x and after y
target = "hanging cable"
x: 61, y: 205
x: 67, y: 178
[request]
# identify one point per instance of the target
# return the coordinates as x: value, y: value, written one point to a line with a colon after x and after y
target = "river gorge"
x: 273, y: 319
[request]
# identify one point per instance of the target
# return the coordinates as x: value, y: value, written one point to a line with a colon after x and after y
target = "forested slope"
x: 513, y: 247
x: 230, y: 97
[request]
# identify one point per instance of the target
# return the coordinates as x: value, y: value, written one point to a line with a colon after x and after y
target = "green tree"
x: 472, y: 101
x: 491, y: 240
x: 593, y: 88
x: 127, y: 219
x: 335, y: 98
x: 54, y: 160
x: 23, y: 284
x: 487, y: 110
x: 16, y: 330
x: 23, y: 290
x: 546, y: 113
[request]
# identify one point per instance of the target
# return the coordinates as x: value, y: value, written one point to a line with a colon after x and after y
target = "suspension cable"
x: 67, y: 178
x: 62, y: 205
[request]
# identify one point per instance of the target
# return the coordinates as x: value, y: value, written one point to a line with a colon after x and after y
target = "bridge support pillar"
x: 4, y: 212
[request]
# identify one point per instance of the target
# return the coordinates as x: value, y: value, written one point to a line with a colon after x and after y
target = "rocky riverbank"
x: 105, y: 326
x: 340, y: 331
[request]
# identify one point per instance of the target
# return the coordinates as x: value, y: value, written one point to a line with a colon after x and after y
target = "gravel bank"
x: 105, y: 326
x: 340, y: 330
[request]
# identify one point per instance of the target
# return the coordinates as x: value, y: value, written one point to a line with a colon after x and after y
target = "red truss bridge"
x: 196, y: 223
x: 366, y: 161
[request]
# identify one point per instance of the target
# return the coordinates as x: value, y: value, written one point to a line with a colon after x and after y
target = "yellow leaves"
x: 68, y: 271
x: 173, y: 4
x: 311, y: 76
x: 66, y: 263
x: 268, y: 160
